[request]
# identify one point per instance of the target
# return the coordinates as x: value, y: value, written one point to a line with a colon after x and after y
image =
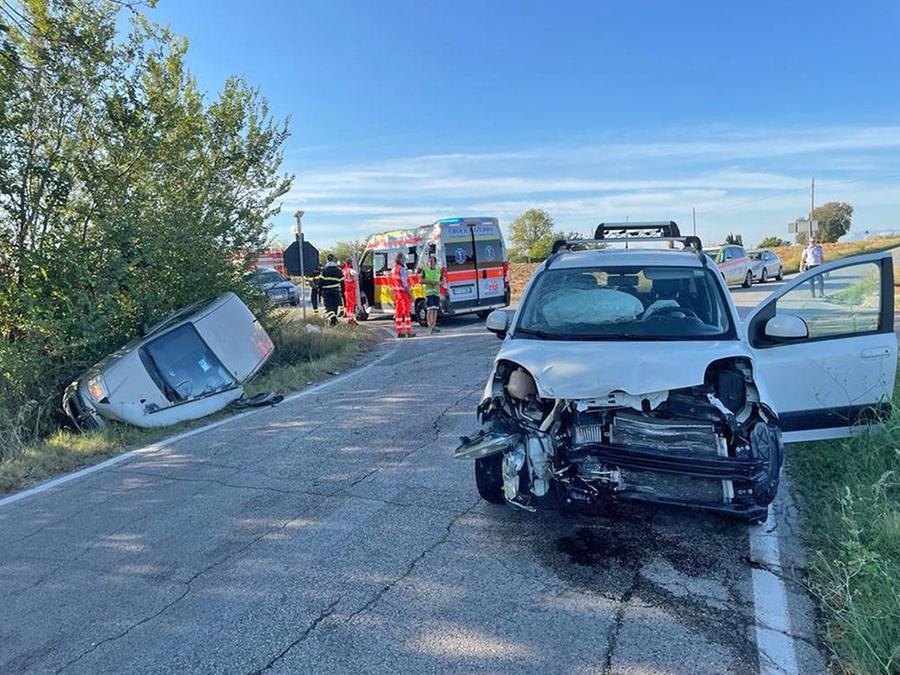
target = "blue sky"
x: 404, y: 112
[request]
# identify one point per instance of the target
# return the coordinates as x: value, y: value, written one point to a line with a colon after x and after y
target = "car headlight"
x: 96, y: 387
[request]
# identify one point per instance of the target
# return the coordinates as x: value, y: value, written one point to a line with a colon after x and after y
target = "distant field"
x: 520, y: 273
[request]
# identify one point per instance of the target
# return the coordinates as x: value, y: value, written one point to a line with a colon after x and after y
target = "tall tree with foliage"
x: 531, y: 234
x: 834, y: 219
x: 124, y: 192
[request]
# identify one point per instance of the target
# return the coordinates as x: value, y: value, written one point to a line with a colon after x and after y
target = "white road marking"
x: 159, y: 445
x: 773, y: 619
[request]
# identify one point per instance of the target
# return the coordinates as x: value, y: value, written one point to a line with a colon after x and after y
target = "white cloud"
x: 736, y: 179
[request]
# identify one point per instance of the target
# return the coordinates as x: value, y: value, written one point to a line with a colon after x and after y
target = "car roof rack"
x: 615, y: 233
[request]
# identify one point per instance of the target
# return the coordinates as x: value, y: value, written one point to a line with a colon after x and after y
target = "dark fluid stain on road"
x: 590, y: 547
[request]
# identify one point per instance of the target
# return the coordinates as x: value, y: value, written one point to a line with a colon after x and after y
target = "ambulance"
x: 470, y: 250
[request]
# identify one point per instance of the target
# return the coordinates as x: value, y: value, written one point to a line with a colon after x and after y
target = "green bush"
x: 124, y: 194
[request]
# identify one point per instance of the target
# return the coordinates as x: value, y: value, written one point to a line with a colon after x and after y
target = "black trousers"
x: 332, y: 297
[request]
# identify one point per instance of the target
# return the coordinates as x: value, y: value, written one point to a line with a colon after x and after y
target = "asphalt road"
x: 335, y: 533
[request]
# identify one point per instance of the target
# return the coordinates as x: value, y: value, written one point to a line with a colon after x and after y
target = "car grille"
x: 662, y: 434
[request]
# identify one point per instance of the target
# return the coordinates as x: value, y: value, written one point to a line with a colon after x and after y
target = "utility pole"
x: 812, y: 203
x: 298, y: 236
x: 694, y: 219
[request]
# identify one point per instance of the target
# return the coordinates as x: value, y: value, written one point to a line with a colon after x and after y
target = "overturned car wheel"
x: 489, y: 479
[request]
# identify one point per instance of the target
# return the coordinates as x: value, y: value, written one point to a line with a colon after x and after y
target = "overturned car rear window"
x: 616, y: 303
x: 183, y: 366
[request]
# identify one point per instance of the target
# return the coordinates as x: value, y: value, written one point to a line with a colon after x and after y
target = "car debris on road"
x: 626, y: 374
x: 189, y: 365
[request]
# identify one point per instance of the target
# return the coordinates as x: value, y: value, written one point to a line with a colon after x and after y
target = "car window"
x: 183, y: 365
x: 739, y: 252
x: 460, y: 255
x: 489, y: 252
x: 841, y: 302
x: 380, y: 262
x: 631, y: 303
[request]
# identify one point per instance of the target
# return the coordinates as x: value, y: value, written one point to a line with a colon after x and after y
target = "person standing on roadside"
x: 331, y: 289
x: 402, y: 297
x: 812, y: 257
x: 432, y: 278
x: 350, y: 290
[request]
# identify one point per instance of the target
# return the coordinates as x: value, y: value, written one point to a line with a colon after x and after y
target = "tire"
x: 483, y: 314
x: 421, y: 313
x: 488, y: 478
x: 748, y: 280
x: 780, y: 275
x: 764, y: 276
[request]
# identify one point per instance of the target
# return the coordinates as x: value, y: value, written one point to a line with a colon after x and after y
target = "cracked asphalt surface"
x: 335, y: 533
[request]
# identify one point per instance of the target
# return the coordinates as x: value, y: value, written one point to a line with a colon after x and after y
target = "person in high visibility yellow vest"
x: 432, y: 278
x: 331, y: 289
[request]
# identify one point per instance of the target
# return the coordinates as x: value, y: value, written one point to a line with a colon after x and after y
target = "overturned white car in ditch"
x: 627, y: 374
x: 189, y: 365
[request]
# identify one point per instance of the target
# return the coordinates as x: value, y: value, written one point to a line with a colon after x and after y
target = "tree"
x: 532, y: 234
x: 734, y: 239
x: 834, y: 220
x: 124, y: 192
x: 773, y: 242
x: 343, y: 250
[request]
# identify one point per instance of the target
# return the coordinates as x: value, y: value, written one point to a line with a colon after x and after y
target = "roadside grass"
x: 851, y: 492
x: 301, y: 358
x: 790, y: 255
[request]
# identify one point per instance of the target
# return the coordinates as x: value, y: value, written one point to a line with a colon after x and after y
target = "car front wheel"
x: 748, y: 280
x: 488, y: 478
x: 764, y: 276
x: 780, y: 274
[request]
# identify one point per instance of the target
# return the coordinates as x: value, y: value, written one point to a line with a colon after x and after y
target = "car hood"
x: 281, y: 285
x: 588, y: 370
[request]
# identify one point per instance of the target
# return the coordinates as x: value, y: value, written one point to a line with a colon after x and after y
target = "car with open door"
x: 627, y: 374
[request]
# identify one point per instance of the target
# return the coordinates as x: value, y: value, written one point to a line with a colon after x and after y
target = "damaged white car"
x: 627, y: 374
x: 189, y: 365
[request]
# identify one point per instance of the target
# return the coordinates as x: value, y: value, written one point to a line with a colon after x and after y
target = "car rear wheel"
x: 483, y: 314
x: 421, y: 313
x: 488, y: 478
x: 748, y: 280
x: 764, y: 276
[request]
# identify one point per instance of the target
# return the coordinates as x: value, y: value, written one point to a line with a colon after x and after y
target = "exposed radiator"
x: 661, y: 434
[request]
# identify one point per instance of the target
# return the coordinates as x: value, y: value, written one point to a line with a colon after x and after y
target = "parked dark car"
x: 279, y: 290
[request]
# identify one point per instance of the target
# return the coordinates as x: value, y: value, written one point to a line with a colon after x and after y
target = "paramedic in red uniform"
x: 350, y: 291
x: 402, y: 297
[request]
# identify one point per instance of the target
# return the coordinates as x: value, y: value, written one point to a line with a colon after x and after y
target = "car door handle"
x: 875, y: 353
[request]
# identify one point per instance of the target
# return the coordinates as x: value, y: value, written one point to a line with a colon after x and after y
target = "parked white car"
x: 628, y: 375
x: 734, y: 264
x: 188, y: 365
x: 765, y: 265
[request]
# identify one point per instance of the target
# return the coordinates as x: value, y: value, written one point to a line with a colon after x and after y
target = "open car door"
x: 825, y: 347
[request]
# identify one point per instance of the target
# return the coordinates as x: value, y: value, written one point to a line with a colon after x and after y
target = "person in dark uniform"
x: 314, y: 282
x: 332, y: 277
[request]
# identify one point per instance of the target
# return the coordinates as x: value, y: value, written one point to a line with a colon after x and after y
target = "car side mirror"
x: 783, y: 327
x: 498, y: 323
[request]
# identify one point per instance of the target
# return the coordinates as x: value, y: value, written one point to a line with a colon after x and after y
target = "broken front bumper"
x: 736, y: 486
x: 82, y: 414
